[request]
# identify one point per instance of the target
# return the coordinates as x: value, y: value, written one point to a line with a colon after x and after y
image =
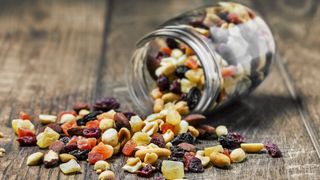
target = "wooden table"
x: 54, y: 53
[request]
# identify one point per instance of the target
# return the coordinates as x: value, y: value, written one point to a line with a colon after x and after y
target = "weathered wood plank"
x: 50, y: 52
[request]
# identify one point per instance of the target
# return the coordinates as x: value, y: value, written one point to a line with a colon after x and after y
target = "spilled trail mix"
x: 161, y: 142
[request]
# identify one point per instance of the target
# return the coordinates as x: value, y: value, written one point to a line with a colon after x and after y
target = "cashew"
x: 101, y: 165
x: 66, y: 157
x: 221, y: 130
x: 133, y: 165
x: 168, y: 136
x: 136, y: 124
x: 161, y: 152
x: 124, y: 135
x: 150, y: 128
x: 107, y: 175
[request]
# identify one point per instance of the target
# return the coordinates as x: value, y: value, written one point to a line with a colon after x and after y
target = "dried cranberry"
x: 146, y: 171
x: 193, y: 97
x: 232, y: 140
x: 184, y: 137
x: 163, y: 83
x: 69, y: 147
x: 158, y: 140
x: 181, y: 70
x: 79, y: 154
x: 65, y: 139
x: 195, y: 165
x: 129, y: 114
x: 106, y: 104
x: 92, y: 133
x: 172, y: 44
x: 273, y: 149
x: 27, y: 141
x: 76, y: 131
x: 80, y: 105
x: 91, y: 116
x: 175, y: 87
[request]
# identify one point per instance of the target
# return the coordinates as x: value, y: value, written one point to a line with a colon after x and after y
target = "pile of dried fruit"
x: 163, y: 141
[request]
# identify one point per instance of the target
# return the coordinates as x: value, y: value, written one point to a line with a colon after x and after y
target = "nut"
x: 194, y: 132
x: 204, y: 159
x: 121, y: 121
x: 170, y: 97
x: 107, y: 115
x: 56, y: 146
x: 66, y: 118
x: 205, y: 131
x: 158, y: 105
x: 150, y: 158
x: 168, y: 136
x: 166, y: 69
x: 124, y: 136
x: 100, y: 166
x: 66, y: 157
x: 70, y: 167
x: 1, y: 135
x: 252, y: 147
x: 151, y: 145
x: 216, y: 148
x: 83, y: 112
x: 221, y: 130
x: 156, y: 93
x: 116, y: 149
x: 161, y: 152
x: 34, y: 159
x: 187, y: 147
x: 106, y: 124
x: 133, y: 165
x: 136, y: 124
x: 153, y: 117
x: 237, y: 155
x: 107, y: 175
x: 220, y: 160
x: 110, y: 137
x: 182, y: 128
x: 1, y: 154
x: 50, y: 159
x: 150, y: 128
x: 2, y: 150
x: 182, y: 107
x: 173, y: 117
x: 195, y: 119
x: 168, y: 145
x: 46, y: 119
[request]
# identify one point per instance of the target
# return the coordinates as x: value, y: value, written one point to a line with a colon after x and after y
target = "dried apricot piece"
x: 100, y: 152
x: 166, y: 126
x: 191, y: 63
x: 24, y: 116
x: 128, y: 148
x: 93, y: 124
x: 68, y: 125
x: 86, y: 143
x: 25, y: 132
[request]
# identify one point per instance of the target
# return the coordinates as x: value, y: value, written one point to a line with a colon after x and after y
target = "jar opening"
x: 144, y: 60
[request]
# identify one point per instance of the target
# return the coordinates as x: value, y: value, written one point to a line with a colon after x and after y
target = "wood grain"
x: 54, y: 53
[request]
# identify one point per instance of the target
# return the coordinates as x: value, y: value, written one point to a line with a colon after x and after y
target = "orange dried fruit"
x: 93, y: 124
x: 86, y: 143
x: 25, y: 132
x: 166, y: 126
x: 191, y: 63
x: 129, y: 147
x: 68, y: 125
x: 100, y: 152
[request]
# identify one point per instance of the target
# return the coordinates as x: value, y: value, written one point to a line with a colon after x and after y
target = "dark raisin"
x: 175, y: 87
x: 129, y: 114
x: 195, y: 165
x: 158, y: 140
x: 232, y: 140
x: 177, y: 153
x: 163, y: 83
x: 172, y: 44
x: 27, y: 141
x: 76, y: 131
x: 180, y: 71
x: 146, y: 171
x: 80, y: 105
x: 79, y: 154
x: 224, y: 16
x: 153, y: 63
x: 106, y: 104
x: 65, y: 139
x: 69, y: 147
x: 92, y: 133
x: 273, y: 150
x: 184, y: 137
x: 91, y: 116
x: 193, y: 97
x: 158, y: 165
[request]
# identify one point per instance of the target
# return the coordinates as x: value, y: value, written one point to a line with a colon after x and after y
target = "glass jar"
x: 207, y: 57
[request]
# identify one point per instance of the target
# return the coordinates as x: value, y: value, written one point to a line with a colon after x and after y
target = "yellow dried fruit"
x: 46, y: 119
x: 22, y: 124
x: 172, y: 169
x: 106, y: 124
x: 110, y: 137
x: 70, y: 167
x: 141, y: 138
x: 136, y: 124
x: 216, y: 148
x: 47, y: 137
x: 150, y: 158
x: 173, y: 117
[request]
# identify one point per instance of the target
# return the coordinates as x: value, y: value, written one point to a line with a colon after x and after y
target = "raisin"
x: 172, y: 44
x: 273, y: 150
x: 195, y: 165
x: 129, y: 114
x: 65, y: 139
x: 106, y: 104
x: 69, y: 147
x: 146, y: 171
x: 163, y: 83
x: 175, y: 87
x: 193, y: 97
x: 184, y: 137
x: 79, y: 154
x: 180, y: 71
x: 27, y: 140
x: 91, y: 116
x: 187, y: 147
x: 158, y: 165
x: 177, y: 153
x: 224, y: 16
x: 92, y: 133
x: 232, y: 140
x: 76, y: 131
x: 153, y: 63
x: 158, y: 140
x: 79, y: 106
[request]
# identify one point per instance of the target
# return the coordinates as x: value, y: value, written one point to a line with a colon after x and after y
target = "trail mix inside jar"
x: 242, y: 45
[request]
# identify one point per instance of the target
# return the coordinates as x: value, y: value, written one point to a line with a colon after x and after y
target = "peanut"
x: 252, y: 147
x: 34, y: 159
x: 156, y: 93
x: 204, y: 159
x: 161, y: 152
x: 158, y: 105
x: 237, y: 155
x: 150, y: 158
x: 107, y: 175
x: 220, y: 160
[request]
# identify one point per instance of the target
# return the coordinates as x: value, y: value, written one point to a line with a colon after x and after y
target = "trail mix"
x: 161, y: 142
x: 244, y: 47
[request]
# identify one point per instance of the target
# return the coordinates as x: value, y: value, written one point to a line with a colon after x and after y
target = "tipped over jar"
x: 201, y: 60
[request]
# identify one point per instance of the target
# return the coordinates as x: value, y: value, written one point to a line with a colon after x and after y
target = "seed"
x: 34, y: 159
x: 173, y: 117
x: 70, y: 167
x: 237, y: 155
x: 220, y: 160
x: 195, y: 119
x: 216, y: 148
x: 158, y: 105
x: 221, y: 130
x: 46, y: 119
x: 150, y: 158
x: 170, y: 97
x: 101, y: 166
x: 66, y: 157
x: 172, y: 169
x: 110, y: 137
x: 252, y: 147
x: 107, y: 175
